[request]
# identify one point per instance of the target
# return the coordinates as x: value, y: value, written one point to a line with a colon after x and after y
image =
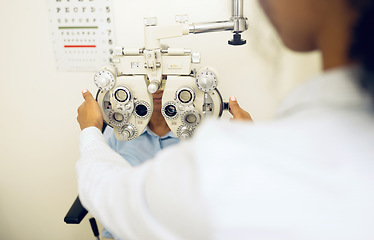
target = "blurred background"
x: 39, y: 133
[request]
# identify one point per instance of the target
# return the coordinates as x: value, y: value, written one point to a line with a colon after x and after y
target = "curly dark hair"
x: 362, y: 48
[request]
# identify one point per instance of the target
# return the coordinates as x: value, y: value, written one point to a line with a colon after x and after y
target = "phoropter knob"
x: 105, y: 78
x: 153, y: 86
x: 206, y: 80
x: 184, y: 133
x: 128, y: 132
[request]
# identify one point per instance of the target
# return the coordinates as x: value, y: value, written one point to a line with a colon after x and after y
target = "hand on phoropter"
x: 89, y: 113
x: 237, y: 112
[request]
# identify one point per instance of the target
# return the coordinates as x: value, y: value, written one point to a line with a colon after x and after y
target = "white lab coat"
x: 307, y: 175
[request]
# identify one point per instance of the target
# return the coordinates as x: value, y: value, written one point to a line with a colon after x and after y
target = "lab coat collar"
x: 337, y: 88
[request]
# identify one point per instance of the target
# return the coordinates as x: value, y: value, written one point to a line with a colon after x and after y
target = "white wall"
x: 39, y: 132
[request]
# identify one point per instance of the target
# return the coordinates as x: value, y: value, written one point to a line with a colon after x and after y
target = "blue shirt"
x: 142, y: 148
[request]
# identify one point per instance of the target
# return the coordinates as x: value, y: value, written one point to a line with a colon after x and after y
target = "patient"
x: 156, y: 136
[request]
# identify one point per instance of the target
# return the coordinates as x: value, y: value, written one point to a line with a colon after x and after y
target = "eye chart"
x: 82, y: 33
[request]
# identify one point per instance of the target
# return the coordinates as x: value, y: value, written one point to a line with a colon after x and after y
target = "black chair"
x: 76, y: 213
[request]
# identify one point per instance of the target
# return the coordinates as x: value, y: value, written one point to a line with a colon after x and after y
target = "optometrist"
x: 306, y: 175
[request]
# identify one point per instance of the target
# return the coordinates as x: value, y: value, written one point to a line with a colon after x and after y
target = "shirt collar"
x: 337, y: 88
x: 148, y: 131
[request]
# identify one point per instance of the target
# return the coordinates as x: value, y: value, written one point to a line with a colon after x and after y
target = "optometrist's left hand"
x: 89, y: 113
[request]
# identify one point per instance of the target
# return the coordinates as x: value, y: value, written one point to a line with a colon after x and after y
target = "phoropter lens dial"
x: 169, y: 110
x: 142, y: 109
x: 122, y: 94
x: 117, y: 119
x: 185, y: 95
x: 191, y: 118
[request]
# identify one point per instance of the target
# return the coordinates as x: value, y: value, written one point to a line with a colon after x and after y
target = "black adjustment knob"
x: 237, y: 41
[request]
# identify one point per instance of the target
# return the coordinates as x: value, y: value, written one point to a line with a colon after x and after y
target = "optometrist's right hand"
x: 89, y: 113
x: 237, y: 112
